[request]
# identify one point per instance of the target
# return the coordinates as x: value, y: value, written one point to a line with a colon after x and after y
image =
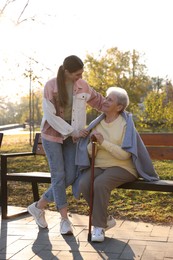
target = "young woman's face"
x: 74, y: 76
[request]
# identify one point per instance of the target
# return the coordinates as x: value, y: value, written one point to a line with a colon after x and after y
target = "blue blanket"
x: 132, y: 143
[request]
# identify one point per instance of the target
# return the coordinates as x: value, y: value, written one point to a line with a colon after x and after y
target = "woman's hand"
x: 82, y: 133
x: 98, y: 136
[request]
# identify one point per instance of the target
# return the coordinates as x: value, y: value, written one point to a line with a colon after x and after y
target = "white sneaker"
x: 98, y: 234
x: 66, y: 227
x: 38, y: 214
x: 110, y: 223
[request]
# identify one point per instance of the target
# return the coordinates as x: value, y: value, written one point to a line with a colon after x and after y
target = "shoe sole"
x: 30, y: 212
x: 69, y: 233
x: 97, y: 241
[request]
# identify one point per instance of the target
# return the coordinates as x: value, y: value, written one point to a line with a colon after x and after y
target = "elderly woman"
x: 113, y: 164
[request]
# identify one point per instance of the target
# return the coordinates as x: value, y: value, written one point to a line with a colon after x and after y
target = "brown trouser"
x: 105, y: 180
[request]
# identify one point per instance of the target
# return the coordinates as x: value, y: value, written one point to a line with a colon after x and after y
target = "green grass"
x: 153, y: 207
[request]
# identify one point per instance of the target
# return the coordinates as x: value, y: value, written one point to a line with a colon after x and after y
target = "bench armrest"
x: 6, y: 155
x: 4, y: 160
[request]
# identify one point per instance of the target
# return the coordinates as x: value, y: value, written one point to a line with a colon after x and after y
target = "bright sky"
x: 79, y: 27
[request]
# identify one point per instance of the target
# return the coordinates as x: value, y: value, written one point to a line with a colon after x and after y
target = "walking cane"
x: 93, y: 141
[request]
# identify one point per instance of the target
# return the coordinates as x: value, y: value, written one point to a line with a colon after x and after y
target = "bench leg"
x: 35, y: 191
x: 4, y: 207
x: 4, y: 198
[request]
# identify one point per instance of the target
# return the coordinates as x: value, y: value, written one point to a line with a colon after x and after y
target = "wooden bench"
x: 159, y: 145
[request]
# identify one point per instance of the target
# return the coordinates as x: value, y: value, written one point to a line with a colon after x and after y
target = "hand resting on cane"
x: 96, y: 137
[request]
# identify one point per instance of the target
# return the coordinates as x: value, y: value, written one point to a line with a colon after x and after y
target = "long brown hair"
x: 72, y: 64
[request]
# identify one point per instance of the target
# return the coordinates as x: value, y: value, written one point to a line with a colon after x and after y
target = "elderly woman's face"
x: 111, y: 105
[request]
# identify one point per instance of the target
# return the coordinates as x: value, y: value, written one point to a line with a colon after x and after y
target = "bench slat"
x: 161, y: 185
x: 160, y: 153
x: 29, y: 176
x: 157, y: 139
x: 40, y: 150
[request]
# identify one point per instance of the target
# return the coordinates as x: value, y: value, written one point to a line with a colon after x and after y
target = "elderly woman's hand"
x: 98, y: 136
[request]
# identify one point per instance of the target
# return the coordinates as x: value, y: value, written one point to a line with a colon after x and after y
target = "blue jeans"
x: 61, y: 159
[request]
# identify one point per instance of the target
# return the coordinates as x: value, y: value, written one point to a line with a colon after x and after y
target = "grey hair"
x: 121, y: 94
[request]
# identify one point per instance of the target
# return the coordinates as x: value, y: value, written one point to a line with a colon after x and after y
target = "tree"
x: 19, y: 18
x: 169, y: 116
x: 118, y: 68
x: 18, y: 112
x: 23, y: 111
x: 156, y: 113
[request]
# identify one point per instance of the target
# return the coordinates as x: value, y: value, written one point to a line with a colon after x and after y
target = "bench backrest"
x: 1, y: 137
x: 37, y: 147
x: 159, y: 145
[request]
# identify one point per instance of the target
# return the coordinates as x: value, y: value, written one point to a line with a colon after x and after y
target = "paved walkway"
x: 21, y: 239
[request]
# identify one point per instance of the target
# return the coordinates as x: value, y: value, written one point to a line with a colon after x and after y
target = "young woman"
x: 64, y: 106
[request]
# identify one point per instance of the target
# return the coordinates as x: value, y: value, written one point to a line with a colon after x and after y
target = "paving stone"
x: 144, y: 227
x: 132, y: 252
x: 160, y: 231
